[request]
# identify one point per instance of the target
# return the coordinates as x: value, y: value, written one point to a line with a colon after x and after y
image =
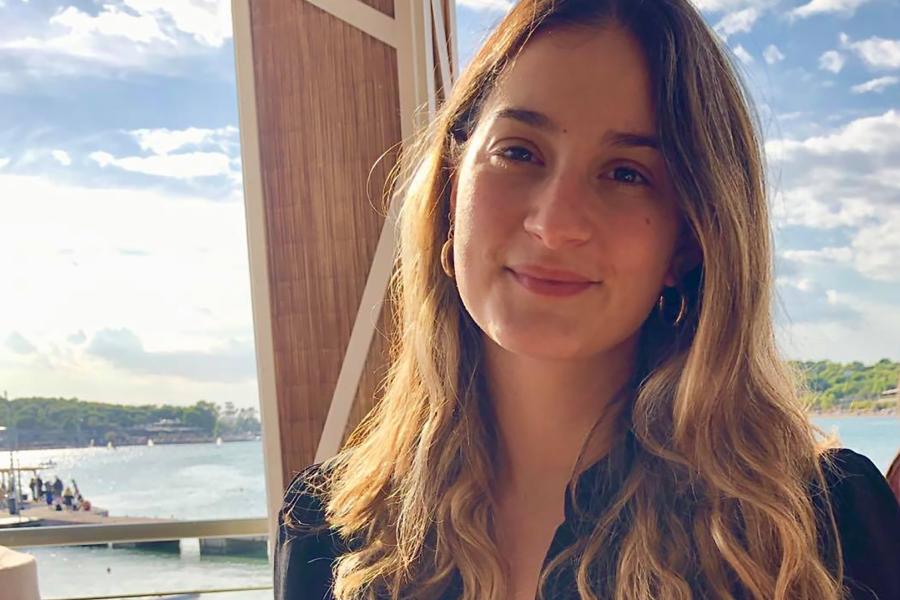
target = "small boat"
x: 47, y: 464
x: 149, y: 442
x: 218, y: 441
x: 109, y: 445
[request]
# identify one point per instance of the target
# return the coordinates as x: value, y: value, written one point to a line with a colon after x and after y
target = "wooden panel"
x: 385, y: 6
x: 327, y: 105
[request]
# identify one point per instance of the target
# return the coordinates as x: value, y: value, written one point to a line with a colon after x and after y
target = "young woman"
x: 585, y: 398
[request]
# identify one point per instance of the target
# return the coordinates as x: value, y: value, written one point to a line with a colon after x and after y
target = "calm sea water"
x: 878, y: 438
x: 189, y: 481
x: 205, y: 481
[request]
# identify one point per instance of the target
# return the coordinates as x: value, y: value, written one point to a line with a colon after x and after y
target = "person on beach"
x: 585, y: 398
x: 39, y: 489
x: 48, y: 492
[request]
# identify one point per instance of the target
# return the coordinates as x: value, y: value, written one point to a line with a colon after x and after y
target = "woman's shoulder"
x: 303, y: 505
x: 853, y: 481
x: 867, y: 516
x: 306, y: 547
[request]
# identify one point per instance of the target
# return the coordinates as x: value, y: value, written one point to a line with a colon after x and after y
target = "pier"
x: 38, y: 515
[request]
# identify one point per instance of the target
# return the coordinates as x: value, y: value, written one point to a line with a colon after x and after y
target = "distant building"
x: 169, y: 426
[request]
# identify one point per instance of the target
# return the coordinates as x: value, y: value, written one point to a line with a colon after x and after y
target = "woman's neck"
x: 544, y: 410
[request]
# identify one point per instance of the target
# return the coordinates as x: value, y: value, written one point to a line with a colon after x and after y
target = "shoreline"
x: 134, y: 445
x: 887, y: 414
x: 881, y: 414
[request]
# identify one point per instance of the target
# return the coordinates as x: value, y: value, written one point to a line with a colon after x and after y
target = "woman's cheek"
x: 486, y: 209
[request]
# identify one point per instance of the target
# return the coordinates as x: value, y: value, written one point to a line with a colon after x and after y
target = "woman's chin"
x: 539, y: 345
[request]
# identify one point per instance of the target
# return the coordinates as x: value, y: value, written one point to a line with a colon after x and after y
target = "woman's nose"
x: 556, y: 214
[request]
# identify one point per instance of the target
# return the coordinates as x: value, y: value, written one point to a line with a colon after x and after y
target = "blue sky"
x: 122, y: 243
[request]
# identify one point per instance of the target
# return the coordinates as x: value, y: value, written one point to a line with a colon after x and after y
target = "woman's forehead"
x: 580, y: 76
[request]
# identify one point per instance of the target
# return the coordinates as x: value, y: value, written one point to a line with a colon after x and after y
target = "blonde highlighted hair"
x: 715, y: 496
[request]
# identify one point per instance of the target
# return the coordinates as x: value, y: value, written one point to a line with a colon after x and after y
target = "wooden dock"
x: 40, y: 514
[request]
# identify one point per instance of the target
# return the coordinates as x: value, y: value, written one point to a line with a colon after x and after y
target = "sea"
x: 209, y: 481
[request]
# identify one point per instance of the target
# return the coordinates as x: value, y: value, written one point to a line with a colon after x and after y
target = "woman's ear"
x: 685, y: 259
x: 453, y: 193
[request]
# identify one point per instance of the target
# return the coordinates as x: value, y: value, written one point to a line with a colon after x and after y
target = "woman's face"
x: 565, y: 219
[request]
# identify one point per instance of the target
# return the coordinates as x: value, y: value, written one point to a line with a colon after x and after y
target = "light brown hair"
x: 716, y: 494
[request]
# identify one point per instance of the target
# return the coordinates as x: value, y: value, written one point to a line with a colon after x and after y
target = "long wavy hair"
x: 714, y: 498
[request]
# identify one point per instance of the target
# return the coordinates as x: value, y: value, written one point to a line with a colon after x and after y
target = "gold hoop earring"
x: 682, y: 308
x: 447, y: 254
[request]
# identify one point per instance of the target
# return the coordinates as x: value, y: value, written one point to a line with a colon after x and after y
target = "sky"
x: 122, y: 237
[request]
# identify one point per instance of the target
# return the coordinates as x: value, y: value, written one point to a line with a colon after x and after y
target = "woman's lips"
x: 547, y: 287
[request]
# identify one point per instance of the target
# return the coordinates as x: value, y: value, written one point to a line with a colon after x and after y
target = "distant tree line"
x: 849, y: 386
x: 33, y: 422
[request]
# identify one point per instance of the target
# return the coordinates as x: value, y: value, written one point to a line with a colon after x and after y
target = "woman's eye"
x: 517, y: 154
x: 627, y: 176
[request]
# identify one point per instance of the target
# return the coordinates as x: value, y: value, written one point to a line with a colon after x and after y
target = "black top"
x: 867, y: 515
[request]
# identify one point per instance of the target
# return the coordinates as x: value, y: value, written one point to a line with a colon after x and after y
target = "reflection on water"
x: 104, y: 571
x: 183, y: 481
x: 206, y: 481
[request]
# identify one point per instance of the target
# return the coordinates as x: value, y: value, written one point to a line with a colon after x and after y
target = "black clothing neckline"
x: 866, y: 513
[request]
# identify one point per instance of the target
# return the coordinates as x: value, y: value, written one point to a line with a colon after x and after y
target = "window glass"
x: 127, y: 364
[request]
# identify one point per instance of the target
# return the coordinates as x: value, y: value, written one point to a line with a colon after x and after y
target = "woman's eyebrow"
x: 631, y: 140
x: 528, y: 117
x: 541, y: 121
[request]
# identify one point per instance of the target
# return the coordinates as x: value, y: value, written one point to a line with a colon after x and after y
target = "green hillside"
x: 849, y: 386
x: 36, y: 422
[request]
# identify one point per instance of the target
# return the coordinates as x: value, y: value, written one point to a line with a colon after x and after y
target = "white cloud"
x: 62, y: 157
x: 132, y: 34
x: 125, y: 350
x: 719, y: 6
x: 869, y: 338
x: 817, y: 7
x: 827, y: 254
x: 179, y: 166
x: 880, y: 133
x: 737, y: 22
x: 877, y: 85
x: 789, y: 116
x: 17, y: 343
x: 799, y: 283
x: 208, y: 21
x: 486, y: 5
x: 801, y: 299
x: 848, y: 178
x: 876, y: 249
x: 188, y: 292
x: 164, y: 141
x: 3, y: 162
x: 832, y: 60
x: 112, y: 21
x: 809, y: 207
x: 772, y: 54
x: 743, y: 55
x: 214, y: 153
x: 876, y: 52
